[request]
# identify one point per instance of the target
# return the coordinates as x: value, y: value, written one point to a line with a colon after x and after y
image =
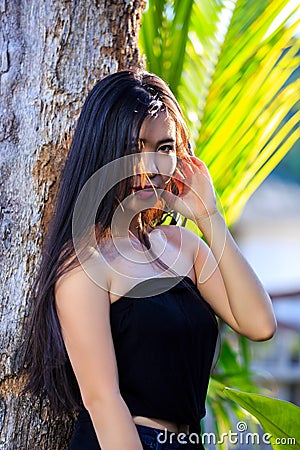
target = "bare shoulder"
x: 87, y: 278
x: 83, y: 309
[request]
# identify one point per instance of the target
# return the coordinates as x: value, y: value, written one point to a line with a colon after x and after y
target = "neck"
x: 125, y: 225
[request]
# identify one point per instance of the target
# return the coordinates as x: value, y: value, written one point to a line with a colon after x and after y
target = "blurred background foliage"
x: 234, y: 67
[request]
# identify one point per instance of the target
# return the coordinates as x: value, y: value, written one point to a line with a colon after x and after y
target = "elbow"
x: 264, y: 333
x: 93, y: 400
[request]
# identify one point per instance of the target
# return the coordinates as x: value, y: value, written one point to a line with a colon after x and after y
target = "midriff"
x: 161, y: 424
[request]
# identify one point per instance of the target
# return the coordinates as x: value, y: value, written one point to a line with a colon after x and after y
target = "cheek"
x: 166, y: 164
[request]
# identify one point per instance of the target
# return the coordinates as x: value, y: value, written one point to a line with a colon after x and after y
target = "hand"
x: 196, y: 199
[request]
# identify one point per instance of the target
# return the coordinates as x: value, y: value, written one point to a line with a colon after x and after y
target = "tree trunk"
x: 53, y: 52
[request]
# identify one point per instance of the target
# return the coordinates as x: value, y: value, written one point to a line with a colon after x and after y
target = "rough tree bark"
x: 53, y: 51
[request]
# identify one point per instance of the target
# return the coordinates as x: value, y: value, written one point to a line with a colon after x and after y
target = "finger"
x: 169, y: 199
x: 173, y: 202
x: 199, y: 163
x: 186, y: 167
x: 178, y: 175
x: 202, y: 166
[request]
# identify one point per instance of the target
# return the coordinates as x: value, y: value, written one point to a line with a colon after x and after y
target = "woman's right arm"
x: 83, y: 311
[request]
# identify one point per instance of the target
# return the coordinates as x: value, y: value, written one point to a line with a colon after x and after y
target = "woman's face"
x: 157, y: 160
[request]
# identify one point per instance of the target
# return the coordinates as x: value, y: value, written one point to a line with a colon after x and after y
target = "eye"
x: 167, y: 148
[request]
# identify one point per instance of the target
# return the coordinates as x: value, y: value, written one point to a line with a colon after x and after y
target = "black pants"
x: 84, y: 438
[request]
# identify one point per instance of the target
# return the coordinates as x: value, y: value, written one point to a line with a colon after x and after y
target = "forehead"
x: 161, y: 126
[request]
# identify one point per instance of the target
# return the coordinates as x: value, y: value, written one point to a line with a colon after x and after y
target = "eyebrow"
x: 161, y: 141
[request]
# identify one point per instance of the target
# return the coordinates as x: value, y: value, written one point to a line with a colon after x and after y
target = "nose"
x: 149, y: 163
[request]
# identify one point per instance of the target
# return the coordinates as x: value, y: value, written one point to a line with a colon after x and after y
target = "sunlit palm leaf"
x: 244, y: 131
x: 151, y: 37
x: 166, y: 31
x: 233, y: 93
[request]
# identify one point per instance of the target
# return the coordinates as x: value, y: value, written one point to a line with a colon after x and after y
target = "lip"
x: 147, y: 186
x: 144, y: 192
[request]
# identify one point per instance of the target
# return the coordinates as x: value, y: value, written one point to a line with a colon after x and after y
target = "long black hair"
x: 107, y: 128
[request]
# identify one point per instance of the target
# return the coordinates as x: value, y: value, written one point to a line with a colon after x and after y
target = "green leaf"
x: 279, y: 418
x: 239, y: 91
x: 236, y: 93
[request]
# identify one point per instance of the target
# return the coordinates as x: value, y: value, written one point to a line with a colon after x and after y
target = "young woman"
x: 123, y: 325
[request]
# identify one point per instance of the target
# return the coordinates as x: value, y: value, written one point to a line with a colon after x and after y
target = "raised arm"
x: 83, y: 310
x: 224, y: 277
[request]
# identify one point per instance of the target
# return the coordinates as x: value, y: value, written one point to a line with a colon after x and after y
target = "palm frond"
x: 251, y: 111
x: 236, y: 93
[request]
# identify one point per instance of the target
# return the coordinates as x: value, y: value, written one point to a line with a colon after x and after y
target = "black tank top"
x: 164, y: 336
